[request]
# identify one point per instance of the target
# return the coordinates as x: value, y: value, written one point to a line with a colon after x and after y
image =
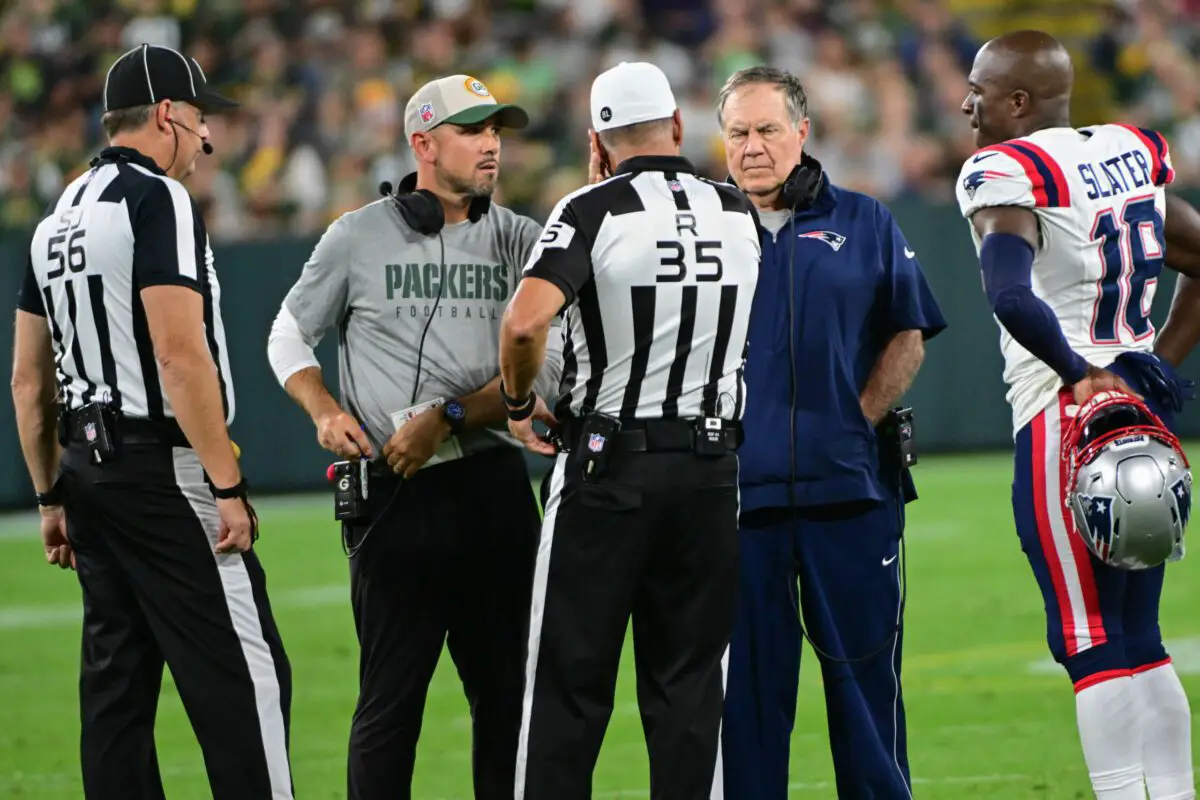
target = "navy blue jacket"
x: 855, y: 283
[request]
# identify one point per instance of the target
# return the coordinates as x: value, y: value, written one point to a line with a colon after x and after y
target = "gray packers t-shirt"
x: 376, y: 282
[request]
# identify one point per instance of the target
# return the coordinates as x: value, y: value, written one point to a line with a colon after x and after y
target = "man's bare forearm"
x: 484, y: 406
x: 893, y: 373
x: 37, y: 427
x: 521, y: 357
x: 190, y: 381
x: 1181, y: 331
x: 308, y: 389
x: 34, y: 390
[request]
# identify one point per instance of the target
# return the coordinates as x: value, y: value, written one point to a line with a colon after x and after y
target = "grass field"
x: 988, y: 717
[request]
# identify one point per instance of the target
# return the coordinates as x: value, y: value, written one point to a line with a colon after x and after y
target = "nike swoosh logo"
x: 909, y: 253
x: 982, y: 156
x: 887, y: 561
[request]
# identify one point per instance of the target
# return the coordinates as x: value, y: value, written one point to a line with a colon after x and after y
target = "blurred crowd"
x: 323, y: 85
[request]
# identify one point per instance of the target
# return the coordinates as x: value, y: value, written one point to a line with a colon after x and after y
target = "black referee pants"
x: 655, y: 537
x: 143, y: 529
x: 448, y: 561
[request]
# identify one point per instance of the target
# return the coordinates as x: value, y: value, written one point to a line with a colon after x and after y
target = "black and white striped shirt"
x: 118, y: 228
x: 658, y: 267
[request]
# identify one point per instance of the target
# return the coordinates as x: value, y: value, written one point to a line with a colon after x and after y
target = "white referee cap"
x: 629, y: 93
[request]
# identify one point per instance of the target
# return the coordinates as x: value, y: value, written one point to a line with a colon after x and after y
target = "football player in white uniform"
x: 1072, y: 228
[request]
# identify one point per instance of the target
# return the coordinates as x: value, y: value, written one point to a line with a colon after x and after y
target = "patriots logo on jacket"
x: 834, y: 240
x: 1097, y: 511
x: 977, y: 178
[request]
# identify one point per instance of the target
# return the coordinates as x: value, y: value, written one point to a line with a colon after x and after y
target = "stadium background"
x: 324, y: 84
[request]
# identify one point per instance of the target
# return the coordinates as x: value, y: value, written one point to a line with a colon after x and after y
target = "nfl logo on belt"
x: 89, y: 431
x: 595, y: 443
x: 427, y: 112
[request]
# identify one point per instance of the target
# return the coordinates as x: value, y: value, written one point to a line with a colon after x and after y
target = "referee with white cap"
x: 655, y: 268
x: 119, y: 332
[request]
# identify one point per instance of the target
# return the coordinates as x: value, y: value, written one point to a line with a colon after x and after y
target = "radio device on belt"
x: 98, y: 422
x: 350, y: 490
x: 897, y: 430
x: 710, y: 437
x: 597, y: 438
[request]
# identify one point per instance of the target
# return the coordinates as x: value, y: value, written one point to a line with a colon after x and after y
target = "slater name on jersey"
x: 1116, y: 175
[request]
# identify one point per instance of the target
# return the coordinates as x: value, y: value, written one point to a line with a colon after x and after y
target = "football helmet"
x: 1129, y: 484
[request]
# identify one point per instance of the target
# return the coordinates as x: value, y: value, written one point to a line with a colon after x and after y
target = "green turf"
x: 983, y: 723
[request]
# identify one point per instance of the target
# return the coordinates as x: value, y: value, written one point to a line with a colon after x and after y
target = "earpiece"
x: 421, y: 209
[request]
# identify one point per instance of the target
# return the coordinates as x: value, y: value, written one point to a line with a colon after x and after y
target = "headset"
x: 799, y: 191
x: 422, y: 211
x: 204, y: 143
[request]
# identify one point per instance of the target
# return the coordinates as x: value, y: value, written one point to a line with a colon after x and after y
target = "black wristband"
x: 525, y: 411
x: 513, y: 402
x: 50, y: 498
x: 232, y: 493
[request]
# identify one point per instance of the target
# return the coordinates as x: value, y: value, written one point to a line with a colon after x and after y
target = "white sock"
x: 1111, y: 735
x: 1166, y: 734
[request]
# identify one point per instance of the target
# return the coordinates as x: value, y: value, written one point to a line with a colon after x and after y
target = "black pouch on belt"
x: 597, y: 438
x: 98, y: 422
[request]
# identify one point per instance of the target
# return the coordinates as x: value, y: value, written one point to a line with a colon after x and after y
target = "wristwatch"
x: 455, y: 415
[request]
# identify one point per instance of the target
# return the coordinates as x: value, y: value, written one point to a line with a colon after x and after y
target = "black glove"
x: 1154, y: 377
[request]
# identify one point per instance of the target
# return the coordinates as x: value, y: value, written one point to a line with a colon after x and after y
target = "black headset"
x: 422, y: 210
x: 803, y: 184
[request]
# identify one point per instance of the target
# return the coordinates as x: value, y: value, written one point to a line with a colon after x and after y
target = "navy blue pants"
x: 1101, y: 622
x: 847, y: 562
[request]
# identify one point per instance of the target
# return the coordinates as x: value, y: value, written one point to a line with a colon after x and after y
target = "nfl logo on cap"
x: 427, y: 112
x: 595, y: 443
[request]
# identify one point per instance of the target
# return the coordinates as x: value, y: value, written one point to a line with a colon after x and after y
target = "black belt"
x: 130, y: 431
x: 653, y: 435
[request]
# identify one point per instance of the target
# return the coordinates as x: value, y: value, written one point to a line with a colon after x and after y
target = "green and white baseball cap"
x: 460, y: 100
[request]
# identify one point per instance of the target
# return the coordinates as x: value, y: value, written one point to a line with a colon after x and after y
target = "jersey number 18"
x: 1131, y: 249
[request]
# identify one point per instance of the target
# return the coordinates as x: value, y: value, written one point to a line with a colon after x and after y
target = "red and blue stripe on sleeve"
x: 1156, y: 143
x: 1050, y: 189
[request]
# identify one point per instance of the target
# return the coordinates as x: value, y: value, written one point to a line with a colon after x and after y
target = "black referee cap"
x: 149, y: 74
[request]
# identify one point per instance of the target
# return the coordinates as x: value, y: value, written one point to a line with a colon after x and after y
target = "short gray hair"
x: 126, y: 119
x: 639, y: 133
x: 793, y: 91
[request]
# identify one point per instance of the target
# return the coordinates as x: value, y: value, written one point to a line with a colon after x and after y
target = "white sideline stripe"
x: 62, y: 615
x: 238, y: 588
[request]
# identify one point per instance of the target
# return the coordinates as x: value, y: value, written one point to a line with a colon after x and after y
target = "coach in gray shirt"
x: 415, y: 284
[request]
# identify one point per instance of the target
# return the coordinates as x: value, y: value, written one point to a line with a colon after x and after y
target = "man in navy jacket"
x: 837, y: 334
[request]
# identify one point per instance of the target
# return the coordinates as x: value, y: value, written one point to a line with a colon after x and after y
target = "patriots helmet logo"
x: 831, y: 238
x: 1183, y: 500
x: 976, y: 179
x: 1097, y: 511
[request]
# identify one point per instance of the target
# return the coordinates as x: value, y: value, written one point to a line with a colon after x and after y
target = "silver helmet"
x: 1129, y: 484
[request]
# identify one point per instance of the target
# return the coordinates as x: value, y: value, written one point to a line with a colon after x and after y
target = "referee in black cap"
x: 119, y: 334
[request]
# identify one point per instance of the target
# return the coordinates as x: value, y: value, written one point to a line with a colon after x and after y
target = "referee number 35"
x: 66, y: 245
x: 705, y: 263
